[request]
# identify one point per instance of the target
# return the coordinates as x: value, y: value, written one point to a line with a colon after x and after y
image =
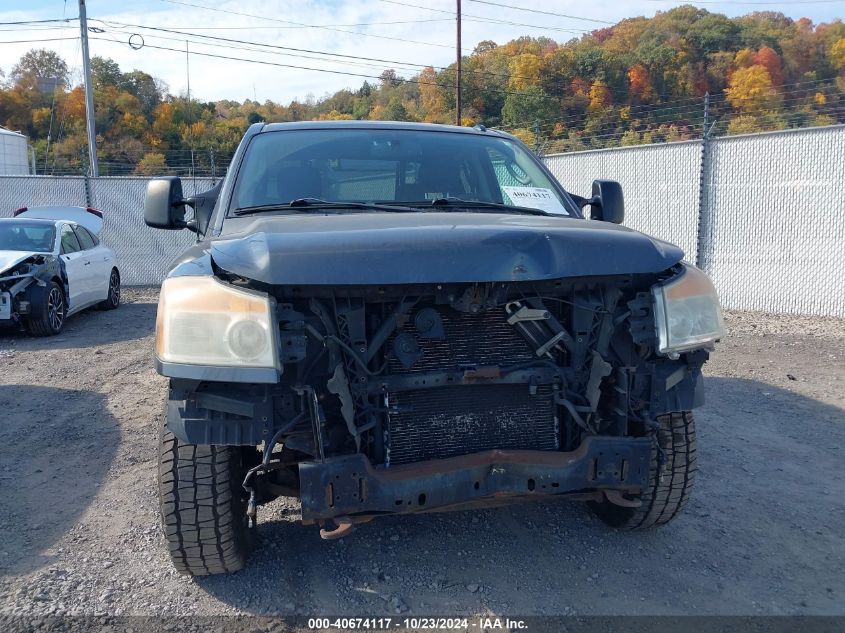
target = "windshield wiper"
x: 315, y: 204
x: 451, y: 202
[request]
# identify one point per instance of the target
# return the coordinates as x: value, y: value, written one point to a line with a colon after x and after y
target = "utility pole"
x: 89, y: 90
x: 458, y: 116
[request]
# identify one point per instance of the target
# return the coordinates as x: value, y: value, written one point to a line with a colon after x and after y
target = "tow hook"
x: 343, y: 527
x: 615, y: 497
x: 252, y: 509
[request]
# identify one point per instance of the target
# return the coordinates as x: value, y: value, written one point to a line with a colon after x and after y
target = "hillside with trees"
x: 642, y: 80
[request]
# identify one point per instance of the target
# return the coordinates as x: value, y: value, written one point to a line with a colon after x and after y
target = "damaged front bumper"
x: 12, y: 304
x: 349, y: 486
x: 5, y: 307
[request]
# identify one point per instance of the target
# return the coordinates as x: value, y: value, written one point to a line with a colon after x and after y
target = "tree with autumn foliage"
x: 751, y: 90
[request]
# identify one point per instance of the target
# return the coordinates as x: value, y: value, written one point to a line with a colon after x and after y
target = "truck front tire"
x: 203, y: 506
x: 669, y: 487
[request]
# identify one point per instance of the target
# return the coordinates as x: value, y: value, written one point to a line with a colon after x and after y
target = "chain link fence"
x: 763, y: 214
x: 773, y: 238
x: 143, y: 254
x: 33, y: 191
x: 660, y: 184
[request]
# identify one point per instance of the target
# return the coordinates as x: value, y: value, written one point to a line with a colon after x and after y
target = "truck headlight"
x: 687, y: 312
x: 203, y: 321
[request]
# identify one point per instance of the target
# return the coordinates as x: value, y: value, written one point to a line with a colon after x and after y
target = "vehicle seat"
x: 289, y: 183
x: 436, y: 179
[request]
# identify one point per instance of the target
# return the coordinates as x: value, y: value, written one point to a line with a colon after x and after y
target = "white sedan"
x: 52, y: 265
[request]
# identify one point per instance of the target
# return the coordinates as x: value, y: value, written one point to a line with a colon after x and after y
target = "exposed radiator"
x: 470, y: 339
x: 449, y: 421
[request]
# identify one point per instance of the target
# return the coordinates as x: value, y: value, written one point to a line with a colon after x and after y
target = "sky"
x: 400, y: 36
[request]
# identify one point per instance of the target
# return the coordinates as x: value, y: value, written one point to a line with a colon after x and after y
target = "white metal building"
x: 14, y: 153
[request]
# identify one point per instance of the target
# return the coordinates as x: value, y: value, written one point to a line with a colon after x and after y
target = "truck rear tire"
x: 203, y: 506
x: 667, y: 493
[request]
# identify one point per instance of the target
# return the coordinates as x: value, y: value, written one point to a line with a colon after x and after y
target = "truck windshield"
x: 407, y: 167
x: 26, y: 236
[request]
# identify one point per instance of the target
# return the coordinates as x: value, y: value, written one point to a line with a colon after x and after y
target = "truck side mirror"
x: 164, y: 206
x: 607, y: 203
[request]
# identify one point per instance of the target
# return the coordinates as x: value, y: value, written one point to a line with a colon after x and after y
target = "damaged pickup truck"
x: 399, y: 318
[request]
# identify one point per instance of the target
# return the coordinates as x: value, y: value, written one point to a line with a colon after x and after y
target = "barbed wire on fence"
x: 201, y: 163
x: 801, y: 105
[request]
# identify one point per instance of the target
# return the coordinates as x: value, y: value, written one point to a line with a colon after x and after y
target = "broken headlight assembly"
x: 203, y: 321
x: 687, y: 312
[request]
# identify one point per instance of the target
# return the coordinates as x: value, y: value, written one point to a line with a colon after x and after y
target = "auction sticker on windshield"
x: 536, y: 198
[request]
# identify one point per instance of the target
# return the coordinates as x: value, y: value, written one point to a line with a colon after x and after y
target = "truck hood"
x: 431, y: 247
x: 9, y: 259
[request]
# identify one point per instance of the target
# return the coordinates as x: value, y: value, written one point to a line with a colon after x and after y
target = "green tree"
x: 152, y: 164
x: 40, y: 67
x: 395, y: 110
x: 522, y: 109
x: 105, y: 72
x: 147, y: 89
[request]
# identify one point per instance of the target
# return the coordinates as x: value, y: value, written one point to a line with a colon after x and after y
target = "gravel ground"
x: 80, y: 533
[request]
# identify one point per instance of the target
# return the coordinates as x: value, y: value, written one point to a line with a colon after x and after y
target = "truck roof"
x: 382, y: 125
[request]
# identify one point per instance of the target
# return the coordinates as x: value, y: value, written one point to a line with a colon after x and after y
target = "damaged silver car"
x: 52, y: 265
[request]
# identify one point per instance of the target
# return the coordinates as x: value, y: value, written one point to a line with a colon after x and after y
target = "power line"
x: 36, y: 28
x: 315, y: 26
x: 274, y: 46
x: 344, y: 57
x: 411, y: 66
x: 266, y: 63
x: 401, y: 65
x: 312, y: 26
x: 557, y: 15
x: 37, y: 21
x: 484, y: 18
x: 49, y: 39
x: 323, y: 70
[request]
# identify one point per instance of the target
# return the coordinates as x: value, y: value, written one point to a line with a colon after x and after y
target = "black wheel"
x: 203, y: 506
x: 47, y: 310
x: 113, y: 299
x: 667, y: 493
